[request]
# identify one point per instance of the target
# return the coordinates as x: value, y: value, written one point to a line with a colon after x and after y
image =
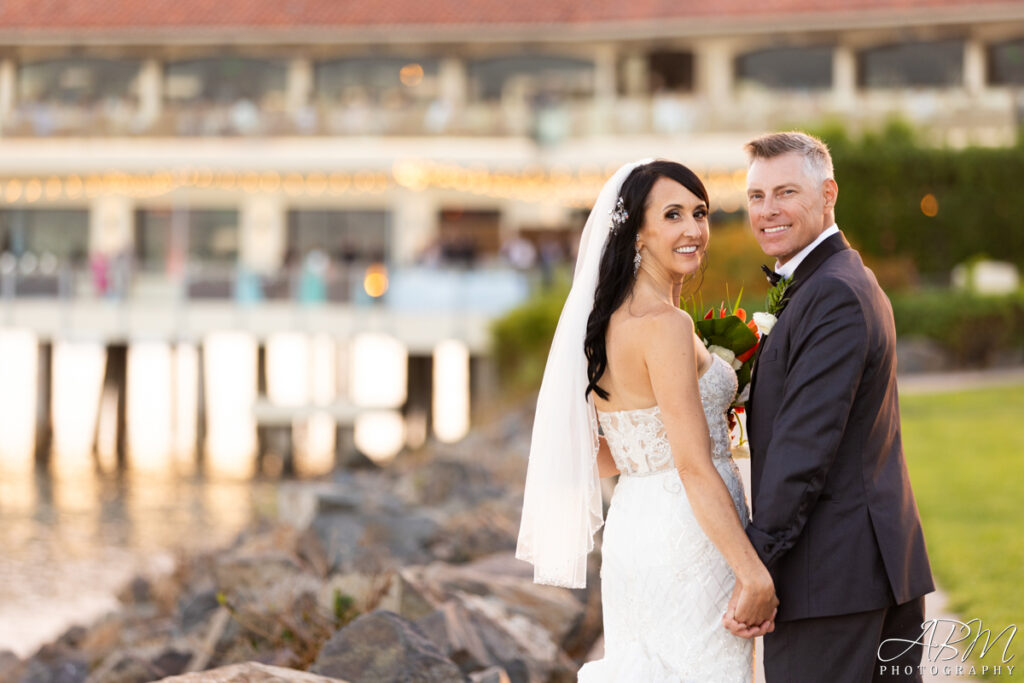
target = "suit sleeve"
x: 828, y: 352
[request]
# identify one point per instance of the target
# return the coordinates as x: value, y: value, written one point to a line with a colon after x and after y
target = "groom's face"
x: 787, y: 208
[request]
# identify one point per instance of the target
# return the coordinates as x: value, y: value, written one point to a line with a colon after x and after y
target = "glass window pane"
x: 380, y: 79
x: 1006, y: 63
x: 535, y: 74
x: 226, y: 80
x: 787, y: 68
x: 670, y: 71
x: 77, y: 81
x: 61, y: 232
x: 211, y: 236
x: 345, y: 236
x: 933, y: 64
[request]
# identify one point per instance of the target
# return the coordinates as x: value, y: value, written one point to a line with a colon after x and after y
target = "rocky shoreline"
x: 398, y: 574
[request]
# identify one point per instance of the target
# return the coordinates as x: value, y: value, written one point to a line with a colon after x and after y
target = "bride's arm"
x: 672, y: 367
x: 605, y: 463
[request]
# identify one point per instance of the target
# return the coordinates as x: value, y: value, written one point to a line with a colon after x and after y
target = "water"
x: 67, y: 545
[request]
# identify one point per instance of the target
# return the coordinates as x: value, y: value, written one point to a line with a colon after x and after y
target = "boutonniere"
x: 777, y: 299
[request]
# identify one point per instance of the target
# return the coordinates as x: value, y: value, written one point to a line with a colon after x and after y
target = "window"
x: 209, y: 235
x: 345, y: 236
x: 670, y: 71
x: 1006, y: 63
x: 787, y: 68
x: 63, y: 233
x: 532, y: 75
x: 933, y: 64
x: 224, y: 80
x: 380, y: 80
x: 466, y: 235
x: 79, y: 82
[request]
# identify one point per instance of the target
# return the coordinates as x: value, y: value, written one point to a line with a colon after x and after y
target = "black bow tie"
x: 772, y: 276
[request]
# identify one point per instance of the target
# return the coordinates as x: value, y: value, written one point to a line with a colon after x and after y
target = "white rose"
x: 765, y: 322
x: 723, y: 353
x: 737, y: 364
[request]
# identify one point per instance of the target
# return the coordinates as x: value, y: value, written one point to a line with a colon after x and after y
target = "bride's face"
x: 675, y: 230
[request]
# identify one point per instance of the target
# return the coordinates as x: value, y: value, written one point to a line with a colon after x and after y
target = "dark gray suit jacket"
x: 834, y: 518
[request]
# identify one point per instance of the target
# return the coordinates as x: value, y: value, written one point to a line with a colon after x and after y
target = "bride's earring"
x: 636, y: 258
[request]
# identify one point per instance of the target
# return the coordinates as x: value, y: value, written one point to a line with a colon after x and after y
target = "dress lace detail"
x: 664, y: 585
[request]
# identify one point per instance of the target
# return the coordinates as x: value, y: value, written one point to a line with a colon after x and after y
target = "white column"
x: 715, y: 72
x: 110, y: 224
x: 974, y: 67
x: 8, y: 87
x: 452, y: 85
x: 635, y: 76
x: 844, y: 77
x: 263, y: 233
x: 414, y: 226
x: 151, y: 91
x: 605, y: 91
x: 300, y: 84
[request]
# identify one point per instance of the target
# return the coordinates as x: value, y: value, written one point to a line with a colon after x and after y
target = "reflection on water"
x: 69, y: 543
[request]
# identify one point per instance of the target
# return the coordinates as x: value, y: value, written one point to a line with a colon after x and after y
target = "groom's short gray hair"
x: 817, y: 160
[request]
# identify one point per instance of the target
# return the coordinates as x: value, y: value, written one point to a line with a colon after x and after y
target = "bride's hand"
x: 754, y: 601
x: 745, y: 631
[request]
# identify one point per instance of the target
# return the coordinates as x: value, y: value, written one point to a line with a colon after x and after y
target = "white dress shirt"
x: 791, y: 265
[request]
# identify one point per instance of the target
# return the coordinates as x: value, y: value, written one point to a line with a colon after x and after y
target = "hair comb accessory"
x: 619, y: 215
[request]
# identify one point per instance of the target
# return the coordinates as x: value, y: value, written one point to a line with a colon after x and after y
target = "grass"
x: 965, y: 453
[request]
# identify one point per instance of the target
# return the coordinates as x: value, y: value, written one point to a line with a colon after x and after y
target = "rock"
x: 494, y: 674
x: 138, y: 591
x: 478, y: 633
x: 218, y: 624
x: 251, y: 672
x: 524, y: 648
x: 9, y: 664
x: 141, y: 665
x: 194, y: 609
x: 54, y: 664
x: 555, y: 609
x: 310, y: 550
x: 367, y: 592
x: 452, y: 630
x: 382, y: 646
x: 250, y: 574
x: 483, y: 530
x: 445, y: 481
x: 413, y: 602
x: 375, y: 539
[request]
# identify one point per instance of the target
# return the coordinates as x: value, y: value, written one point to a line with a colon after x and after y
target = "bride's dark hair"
x: 615, y: 275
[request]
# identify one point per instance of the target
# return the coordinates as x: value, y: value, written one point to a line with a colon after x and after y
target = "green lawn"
x: 965, y: 452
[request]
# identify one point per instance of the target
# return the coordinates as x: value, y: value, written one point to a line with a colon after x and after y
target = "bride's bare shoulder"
x: 668, y: 322
x: 662, y: 323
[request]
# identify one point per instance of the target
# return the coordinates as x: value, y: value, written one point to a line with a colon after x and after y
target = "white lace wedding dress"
x: 664, y: 585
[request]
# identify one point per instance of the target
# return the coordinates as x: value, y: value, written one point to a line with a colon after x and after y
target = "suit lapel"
x: 821, y: 253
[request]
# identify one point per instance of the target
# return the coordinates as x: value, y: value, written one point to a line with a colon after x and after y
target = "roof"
x: 25, y: 18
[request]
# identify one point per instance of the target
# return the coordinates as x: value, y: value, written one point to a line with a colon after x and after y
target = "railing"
x: 486, y: 289
x: 549, y: 122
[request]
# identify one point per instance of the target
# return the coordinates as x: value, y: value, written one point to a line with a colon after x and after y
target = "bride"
x: 675, y: 557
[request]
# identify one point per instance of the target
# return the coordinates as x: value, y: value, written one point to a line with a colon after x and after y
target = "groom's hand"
x: 745, y: 631
x: 747, y: 601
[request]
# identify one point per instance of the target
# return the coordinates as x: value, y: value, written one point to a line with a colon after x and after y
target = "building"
x: 172, y: 170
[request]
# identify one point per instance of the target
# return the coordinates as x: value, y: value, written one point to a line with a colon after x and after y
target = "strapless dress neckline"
x: 715, y: 361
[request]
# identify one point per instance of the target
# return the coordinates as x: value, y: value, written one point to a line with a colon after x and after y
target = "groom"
x: 834, y: 518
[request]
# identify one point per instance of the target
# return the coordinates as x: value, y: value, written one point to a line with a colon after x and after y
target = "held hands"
x: 752, y: 609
